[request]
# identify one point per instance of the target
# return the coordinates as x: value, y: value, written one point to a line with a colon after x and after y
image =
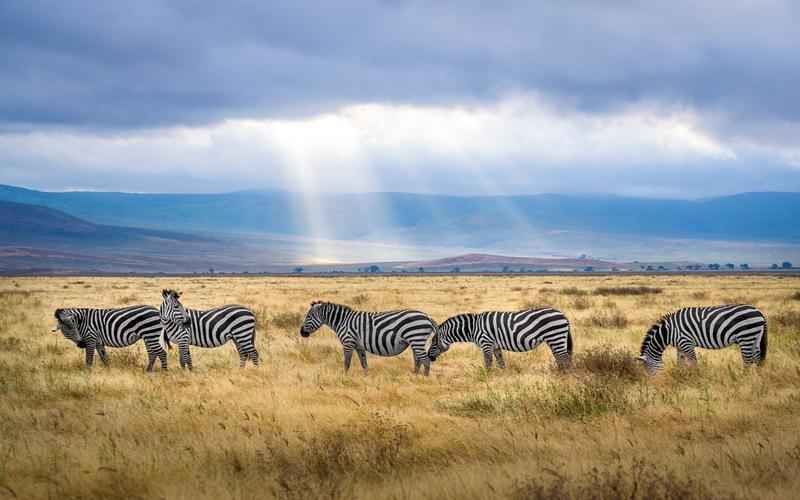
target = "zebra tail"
x: 763, y: 346
x: 569, y: 341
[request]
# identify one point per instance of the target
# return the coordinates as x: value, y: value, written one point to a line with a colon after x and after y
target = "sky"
x: 662, y: 99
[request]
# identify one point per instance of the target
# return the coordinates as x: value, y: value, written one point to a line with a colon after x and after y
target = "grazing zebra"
x: 382, y: 333
x: 496, y: 331
x: 707, y: 327
x: 211, y: 328
x: 96, y: 329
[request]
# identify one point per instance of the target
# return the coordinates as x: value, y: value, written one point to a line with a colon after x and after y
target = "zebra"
x: 712, y: 327
x: 210, y: 328
x: 94, y: 329
x: 386, y: 333
x: 495, y: 331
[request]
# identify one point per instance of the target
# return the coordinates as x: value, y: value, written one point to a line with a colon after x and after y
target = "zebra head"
x: 314, y: 319
x: 653, y: 347
x: 443, y: 336
x: 437, y: 347
x: 172, y: 311
x: 70, y: 324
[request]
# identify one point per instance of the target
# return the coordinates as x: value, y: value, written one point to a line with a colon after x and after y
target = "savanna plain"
x: 299, y: 427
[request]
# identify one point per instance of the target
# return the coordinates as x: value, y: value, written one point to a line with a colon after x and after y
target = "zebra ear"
x: 164, y: 293
x: 58, y: 313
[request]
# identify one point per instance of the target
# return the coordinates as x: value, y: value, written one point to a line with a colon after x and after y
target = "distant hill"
x: 487, y: 263
x: 25, y: 224
x: 254, y: 230
x: 469, y: 221
x: 39, y: 239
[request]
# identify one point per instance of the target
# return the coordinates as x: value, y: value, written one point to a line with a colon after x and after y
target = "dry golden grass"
x: 298, y: 427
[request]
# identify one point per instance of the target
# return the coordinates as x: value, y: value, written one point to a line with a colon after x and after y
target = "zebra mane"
x: 169, y: 292
x: 324, y: 303
x: 650, y: 331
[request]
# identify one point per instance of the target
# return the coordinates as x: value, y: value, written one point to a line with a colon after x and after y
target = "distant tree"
x: 662, y: 268
x: 211, y: 270
x: 588, y: 269
x: 614, y: 269
x: 506, y: 269
x: 730, y: 266
x: 786, y: 265
x: 374, y: 269
x: 456, y: 269
x: 714, y: 267
x: 651, y: 268
x: 421, y: 269
x: 745, y: 266
x: 298, y: 269
x: 774, y: 266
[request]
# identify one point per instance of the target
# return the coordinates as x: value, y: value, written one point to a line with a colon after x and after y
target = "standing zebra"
x: 495, y: 331
x: 94, y: 329
x: 211, y: 328
x: 382, y: 333
x: 707, y: 327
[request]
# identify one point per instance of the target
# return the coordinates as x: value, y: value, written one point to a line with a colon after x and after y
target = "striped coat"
x: 495, y: 331
x: 383, y: 333
x: 96, y: 329
x: 708, y: 328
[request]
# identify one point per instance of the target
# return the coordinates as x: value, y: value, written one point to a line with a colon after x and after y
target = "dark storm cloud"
x: 154, y: 63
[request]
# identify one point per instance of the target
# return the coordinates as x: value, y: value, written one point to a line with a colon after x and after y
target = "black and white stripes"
x: 96, y: 329
x: 209, y: 328
x: 707, y: 327
x: 495, y: 331
x: 382, y: 333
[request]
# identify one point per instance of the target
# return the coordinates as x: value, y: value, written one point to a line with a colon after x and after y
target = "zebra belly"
x: 209, y: 343
x: 388, y: 347
x: 125, y: 341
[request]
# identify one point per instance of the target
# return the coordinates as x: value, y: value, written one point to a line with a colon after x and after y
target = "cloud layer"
x: 674, y: 100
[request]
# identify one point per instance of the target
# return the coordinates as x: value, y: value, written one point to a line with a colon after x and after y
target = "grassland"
x: 298, y: 427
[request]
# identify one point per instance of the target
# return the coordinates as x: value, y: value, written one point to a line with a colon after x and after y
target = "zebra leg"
x: 254, y: 357
x: 488, y: 351
x: 185, y: 355
x: 90, y: 345
x: 362, y: 357
x: 498, y: 354
x: 154, y: 351
x: 421, y: 359
x: 750, y: 352
x: 348, y: 356
x: 101, y: 350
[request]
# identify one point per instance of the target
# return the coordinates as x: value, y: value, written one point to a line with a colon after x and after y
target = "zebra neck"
x: 464, y: 333
x: 336, y: 317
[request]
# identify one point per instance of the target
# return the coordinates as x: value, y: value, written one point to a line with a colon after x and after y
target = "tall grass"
x: 298, y: 427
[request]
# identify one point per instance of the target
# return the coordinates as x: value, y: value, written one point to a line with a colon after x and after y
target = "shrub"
x: 699, y: 295
x: 795, y: 296
x: 587, y: 398
x: 610, y: 361
x: 627, y: 290
x: 573, y: 290
x: 360, y: 299
x: 787, y: 319
x: 581, y: 302
x: 287, y: 320
x: 609, y: 318
x: 636, y: 481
